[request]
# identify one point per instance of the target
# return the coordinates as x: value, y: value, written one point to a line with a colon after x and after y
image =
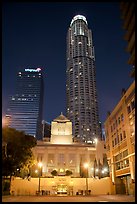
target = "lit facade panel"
x: 61, y: 130
x: 25, y: 107
x: 82, y: 104
x: 63, y: 157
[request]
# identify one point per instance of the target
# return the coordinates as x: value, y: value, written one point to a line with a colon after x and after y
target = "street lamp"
x: 40, y: 174
x: 96, y: 140
x: 86, y: 167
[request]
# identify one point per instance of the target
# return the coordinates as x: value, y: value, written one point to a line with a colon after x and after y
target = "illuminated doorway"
x: 62, y: 189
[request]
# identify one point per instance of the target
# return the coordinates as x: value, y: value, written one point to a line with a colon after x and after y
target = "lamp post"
x: 86, y: 167
x: 40, y: 174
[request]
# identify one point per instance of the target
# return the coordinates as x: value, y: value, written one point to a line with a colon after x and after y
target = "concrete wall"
x: 21, y: 186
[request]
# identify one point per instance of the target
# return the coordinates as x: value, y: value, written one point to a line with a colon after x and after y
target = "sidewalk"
x: 91, y: 198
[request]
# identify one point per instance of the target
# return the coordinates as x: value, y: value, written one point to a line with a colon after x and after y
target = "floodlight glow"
x: 86, y: 165
x: 105, y: 169
x: 78, y: 17
x: 96, y: 140
x: 40, y: 164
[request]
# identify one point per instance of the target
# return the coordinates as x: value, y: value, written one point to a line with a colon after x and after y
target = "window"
x: 126, y: 163
x: 117, y: 165
x: 120, y: 155
x: 117, y: 157
x: 133, y: 105
x: 112, y: 143
x: 122, y: 117
x: 61, y: 159
x: 128, y: 109
x: 118, y: 120
x: 72, y: 159
x: 121, y: 165
x: 125, y: 153
x: 120, y: 136
x: 50, y: 159
x: 124, y: 134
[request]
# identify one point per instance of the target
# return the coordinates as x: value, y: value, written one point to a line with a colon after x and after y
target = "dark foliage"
x: 16, y: 150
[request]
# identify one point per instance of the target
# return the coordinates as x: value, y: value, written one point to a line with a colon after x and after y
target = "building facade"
x: 26, y: 106
x: 82, y: 103
x: 60, y: 185
x: 73, y: 163
x: 128, y: 16
x: 62, y: 154
x: 120, y: 143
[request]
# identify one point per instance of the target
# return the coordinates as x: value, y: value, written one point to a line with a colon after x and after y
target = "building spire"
x: 61, y: 113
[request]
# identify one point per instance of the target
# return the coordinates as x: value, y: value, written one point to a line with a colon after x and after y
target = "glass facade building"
x: 26, y: 106
x: 82, y: 104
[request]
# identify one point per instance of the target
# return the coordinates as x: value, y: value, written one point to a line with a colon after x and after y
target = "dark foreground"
x: 92, y: 198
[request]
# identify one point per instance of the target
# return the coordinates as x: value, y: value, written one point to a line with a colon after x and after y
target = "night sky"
x: 34, y: 35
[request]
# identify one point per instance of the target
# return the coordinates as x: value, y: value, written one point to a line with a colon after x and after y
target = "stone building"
x: 61, y: 153
x: 120, y: 143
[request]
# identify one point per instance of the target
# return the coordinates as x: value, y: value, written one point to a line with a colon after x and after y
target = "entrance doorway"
x: 62, y: 189
x: 120, y: 186
x: 123, y: 184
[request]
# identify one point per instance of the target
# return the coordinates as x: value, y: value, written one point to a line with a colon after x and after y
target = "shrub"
x: 54, y: 173
x: 68, y: 172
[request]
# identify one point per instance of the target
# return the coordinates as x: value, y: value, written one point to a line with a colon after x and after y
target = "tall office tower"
x: 26, y: 106
x: 82, y: 105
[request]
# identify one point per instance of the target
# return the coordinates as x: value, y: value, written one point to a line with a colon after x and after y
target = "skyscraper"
x: 82, y: 104
x: 26, y: 106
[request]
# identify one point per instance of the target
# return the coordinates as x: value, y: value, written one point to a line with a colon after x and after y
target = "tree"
x: 28, y: 168
x: 17, y: 150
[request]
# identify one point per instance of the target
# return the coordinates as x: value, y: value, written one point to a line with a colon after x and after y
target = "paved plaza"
x: 92, y: 198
